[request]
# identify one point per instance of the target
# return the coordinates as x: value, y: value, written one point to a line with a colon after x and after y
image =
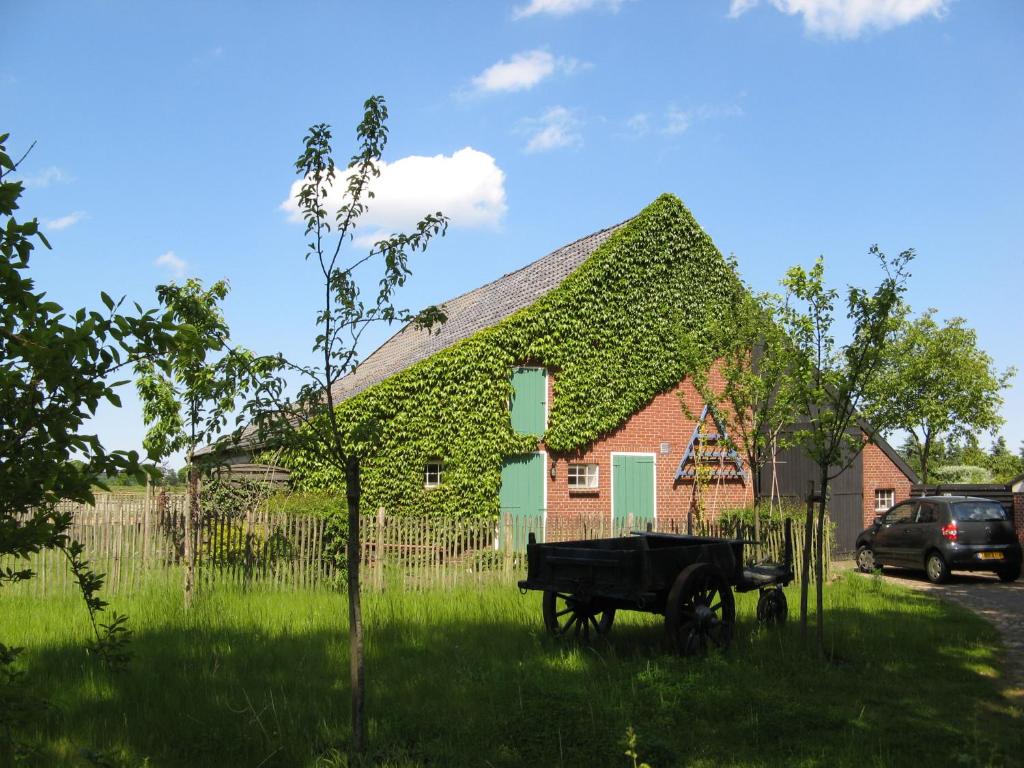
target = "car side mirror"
x: 878, y: 521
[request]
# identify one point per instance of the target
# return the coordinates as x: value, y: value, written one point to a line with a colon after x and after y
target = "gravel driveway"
x: 1001, y: 604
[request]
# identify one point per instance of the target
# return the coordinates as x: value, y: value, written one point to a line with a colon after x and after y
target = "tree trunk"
x: 819, y: 566
x: 926, y: 450
x: 806, y: 559
x: 191, y: 526
x: 752, y: 462
x: 357, y: 668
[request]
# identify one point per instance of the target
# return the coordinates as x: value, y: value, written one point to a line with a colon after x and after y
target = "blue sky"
x: 166, y: 135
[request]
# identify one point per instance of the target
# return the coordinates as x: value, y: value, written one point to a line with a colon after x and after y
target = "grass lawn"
x: 467, y: 677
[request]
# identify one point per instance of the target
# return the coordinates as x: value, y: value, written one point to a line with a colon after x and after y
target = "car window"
x: 978, y: 511
x: 926, y: 513
x: 902, y: 513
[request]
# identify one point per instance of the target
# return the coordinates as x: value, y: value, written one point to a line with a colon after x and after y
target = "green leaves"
x: 832, y: 382
x: 56, y: 367
x: 939, y: 383
x: 201, y: 378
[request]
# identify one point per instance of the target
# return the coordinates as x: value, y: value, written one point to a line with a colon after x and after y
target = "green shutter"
x: 633, y: 482
x: 529, y: 400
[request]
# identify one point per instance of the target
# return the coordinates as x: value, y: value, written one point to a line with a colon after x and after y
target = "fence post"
x: 506, y: 542
x: 378, y: 549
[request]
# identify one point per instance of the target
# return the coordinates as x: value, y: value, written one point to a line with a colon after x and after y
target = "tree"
x: 56, y: 368
x: 940, y: 383
x: 1003, y: 464
x: 187, y: 400
x: 753, y: 361
x: 831, y: 381
x: 308, y: 422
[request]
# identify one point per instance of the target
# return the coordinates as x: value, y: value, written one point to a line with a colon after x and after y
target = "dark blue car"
x: 939, y: 534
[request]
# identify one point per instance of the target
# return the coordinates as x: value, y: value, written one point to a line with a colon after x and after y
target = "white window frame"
x: 591, y: 475
x: 439, y: 473
x: 881, y: 494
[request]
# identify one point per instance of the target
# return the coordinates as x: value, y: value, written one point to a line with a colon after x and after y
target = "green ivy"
x: 614, y: 334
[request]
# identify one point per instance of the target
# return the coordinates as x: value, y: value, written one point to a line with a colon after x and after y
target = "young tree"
x: 831, y: 381
x: 187, y: 401
x: 940, y: 383
x: 56, y: 368
x: 309, y: 423
x: 753, y: 364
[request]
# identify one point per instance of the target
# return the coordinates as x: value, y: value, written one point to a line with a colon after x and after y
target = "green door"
x: 632, y: 491
x: 522, y: 498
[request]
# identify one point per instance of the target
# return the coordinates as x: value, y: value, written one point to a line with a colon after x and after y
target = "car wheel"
x: 936, y: 569
x: 1009, y: 573
x: 866, y: 559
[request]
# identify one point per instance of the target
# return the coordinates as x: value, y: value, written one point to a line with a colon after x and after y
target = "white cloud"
x: 176, y: 265
x: 557, y: 128
x: 848, y: 18
x: 524, y: 70
x: 639, y: 124
x: 46, y: 177
x: 65, y: 221
x: 467, y: 186
x: 676, y: 121
x: 738, y: 7
x: 680, y: 120
x: 563, y: 7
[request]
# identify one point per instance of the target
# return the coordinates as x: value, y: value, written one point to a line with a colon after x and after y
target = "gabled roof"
x: 892, y: 453
x: 471, y: 312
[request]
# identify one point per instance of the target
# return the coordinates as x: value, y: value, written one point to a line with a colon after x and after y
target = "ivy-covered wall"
x: 614, y: 334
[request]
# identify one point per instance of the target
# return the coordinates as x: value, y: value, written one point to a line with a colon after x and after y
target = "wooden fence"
x: 133, y: 537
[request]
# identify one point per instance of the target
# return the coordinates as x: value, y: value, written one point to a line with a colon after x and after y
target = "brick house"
x: 642, y: 465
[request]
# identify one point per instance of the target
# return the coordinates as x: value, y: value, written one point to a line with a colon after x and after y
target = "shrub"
x: 771, y: 519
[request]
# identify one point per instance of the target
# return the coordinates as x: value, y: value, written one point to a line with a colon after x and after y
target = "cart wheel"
x: 700, y: 611
x: 772, y: 609
x: 571, y: 616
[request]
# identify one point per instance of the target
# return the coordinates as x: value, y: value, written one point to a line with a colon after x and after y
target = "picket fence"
x: 134, y: 537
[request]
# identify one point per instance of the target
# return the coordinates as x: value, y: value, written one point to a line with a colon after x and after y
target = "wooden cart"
x: 688, y: 579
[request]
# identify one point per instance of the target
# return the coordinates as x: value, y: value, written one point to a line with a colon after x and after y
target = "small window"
x: 433, y: 473
x: 884, y: 498
x: 583, y: 477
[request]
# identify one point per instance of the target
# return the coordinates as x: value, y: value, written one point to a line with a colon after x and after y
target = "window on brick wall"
x: 884, y: 498
x: 583, y: 477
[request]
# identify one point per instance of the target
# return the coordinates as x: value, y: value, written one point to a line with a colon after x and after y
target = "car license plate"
x: 990, y: 555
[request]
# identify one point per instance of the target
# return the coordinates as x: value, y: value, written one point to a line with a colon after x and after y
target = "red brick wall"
x: 880, y: 473
x: 661, y: 420
x: 1018, y: 515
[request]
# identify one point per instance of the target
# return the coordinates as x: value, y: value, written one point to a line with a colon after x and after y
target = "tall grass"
x: 467, y: 677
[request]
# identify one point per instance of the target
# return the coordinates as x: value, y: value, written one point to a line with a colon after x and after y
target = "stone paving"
x: 1001, y: 604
